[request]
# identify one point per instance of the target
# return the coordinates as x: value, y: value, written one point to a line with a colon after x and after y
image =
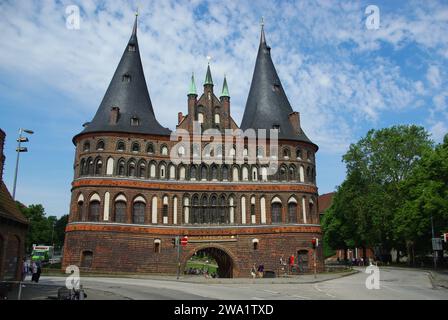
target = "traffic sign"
x: 437, y: 244
x: 184, y: 241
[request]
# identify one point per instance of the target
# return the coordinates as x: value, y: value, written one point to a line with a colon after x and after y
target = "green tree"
x: 426, y: 193
x: 366, y: 203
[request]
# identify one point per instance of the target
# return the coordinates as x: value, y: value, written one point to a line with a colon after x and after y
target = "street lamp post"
x: 19, y: 149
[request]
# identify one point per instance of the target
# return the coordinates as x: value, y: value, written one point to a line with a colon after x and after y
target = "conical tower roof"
x: 225, y: 89
x: 267, y: 105
x: 128, y: 92
x: 208, y: 77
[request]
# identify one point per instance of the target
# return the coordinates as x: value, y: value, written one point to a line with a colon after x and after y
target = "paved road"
x: 395, y: 283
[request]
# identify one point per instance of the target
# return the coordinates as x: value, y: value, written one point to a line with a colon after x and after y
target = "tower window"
x: 131, y: 48
x: 120, y: 146
x: 126, y: 78
x: 135, y: 147
x: 135, y: 121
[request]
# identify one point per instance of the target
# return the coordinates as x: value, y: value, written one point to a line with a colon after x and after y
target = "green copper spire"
x: 192, y: 89
x: 225, y: 89
x: 208, y: 76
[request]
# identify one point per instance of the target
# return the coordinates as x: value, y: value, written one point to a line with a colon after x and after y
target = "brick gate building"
x: 130, y: 197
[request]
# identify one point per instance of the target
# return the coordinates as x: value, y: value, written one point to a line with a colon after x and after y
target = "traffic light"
x: 315, y: 242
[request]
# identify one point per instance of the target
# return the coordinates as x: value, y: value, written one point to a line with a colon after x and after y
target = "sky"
x: 342, y: 75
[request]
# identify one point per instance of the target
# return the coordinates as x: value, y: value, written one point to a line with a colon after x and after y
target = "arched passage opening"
x: 223, y: 260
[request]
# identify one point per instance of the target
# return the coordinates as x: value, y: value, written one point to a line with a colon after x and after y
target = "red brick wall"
x: 131, y: 249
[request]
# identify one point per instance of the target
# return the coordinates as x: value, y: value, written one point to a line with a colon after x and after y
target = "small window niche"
x: 135, y: 122
x: 131, y: 47
x: 126, y: 78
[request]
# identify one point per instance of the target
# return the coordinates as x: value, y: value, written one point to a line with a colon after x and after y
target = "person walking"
x: 33, y: 271
x: 38, y: 271
x: 24, y: 269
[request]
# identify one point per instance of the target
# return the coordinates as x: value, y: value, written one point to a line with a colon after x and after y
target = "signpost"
x: 180, y: 242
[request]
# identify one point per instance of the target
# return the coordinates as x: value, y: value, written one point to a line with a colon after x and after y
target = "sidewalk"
x: 306, y: 278
x: 439, y: 278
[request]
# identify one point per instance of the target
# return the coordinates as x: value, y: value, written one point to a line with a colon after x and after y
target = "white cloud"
x: 433, y: 76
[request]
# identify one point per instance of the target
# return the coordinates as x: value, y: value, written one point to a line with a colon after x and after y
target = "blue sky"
x: 343, y: 78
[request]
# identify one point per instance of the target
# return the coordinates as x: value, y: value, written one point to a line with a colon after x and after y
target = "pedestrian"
x: 39, y: 270
x: 33, y: 271
x: 260, y: 270
x: 24, y: 269
x: 253, y: 271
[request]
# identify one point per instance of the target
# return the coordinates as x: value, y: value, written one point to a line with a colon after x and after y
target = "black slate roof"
x: 267, y: 104
x: 131, y: 97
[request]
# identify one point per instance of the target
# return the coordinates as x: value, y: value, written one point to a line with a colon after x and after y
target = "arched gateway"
x: 223, y: 257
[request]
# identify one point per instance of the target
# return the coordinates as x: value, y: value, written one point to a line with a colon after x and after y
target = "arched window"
x: 223, y: 213
x: 152, y: 170
x: 200, y: 117
x: 186, y: 210
x: 94, y: 211
x: 283, y: 174
x: 150, y: 148
x: 311, y: 208
x: 162, y: 171
x: 121, y: 146
x: 82, y: 168
x: 203, y: 172
x: 292, y: 212
x: 217, y: 118
x: 98, y: 167
x: 235, y: 174
x: 121, y: 168
x: 120, y: 211
x: 193, y: 172
x: 214, y: 172
x: 182, y: 172
x: 301, y: 174
x: 298, y: 153
x: 245, y: 173
x: 292, y: 173
x: 110, y: 166
x: 260, y: 152
x: 131, y: 169
x: 214, y: 214
x: 286, y: 153
x: 172, y: 172
x: 80, y: 211
x: 252, y: 210
x: 135, y: 147
x: 100, y: 145
x: 276, y: 210
x: 308, y: 177
x: 205, y: 212
x: 90, y: 166
x: 254, y: 174
x: 195, y: 209
x: 264, y: 174
x: 164, y: 150
x: 142, y: 170
x: 165, y: 210
x: 225, y: 172
x: 86, y: 146
x: 138, y: 212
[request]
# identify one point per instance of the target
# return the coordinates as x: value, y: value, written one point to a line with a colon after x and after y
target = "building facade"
x: 135, y: 188
x: 13, y: 229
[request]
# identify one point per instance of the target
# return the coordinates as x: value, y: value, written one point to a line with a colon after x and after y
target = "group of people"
x: 34, y: 268
x: 257, y: 272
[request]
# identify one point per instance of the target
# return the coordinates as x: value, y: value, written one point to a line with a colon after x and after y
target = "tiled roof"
x: 325, y: 201
x: 8, y: 207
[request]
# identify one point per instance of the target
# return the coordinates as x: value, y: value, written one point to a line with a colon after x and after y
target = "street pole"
x: 19, y: 149
x: 434, y: 252
x: 178, y: 256
x: 315, y: 270
x: 17, y: 164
